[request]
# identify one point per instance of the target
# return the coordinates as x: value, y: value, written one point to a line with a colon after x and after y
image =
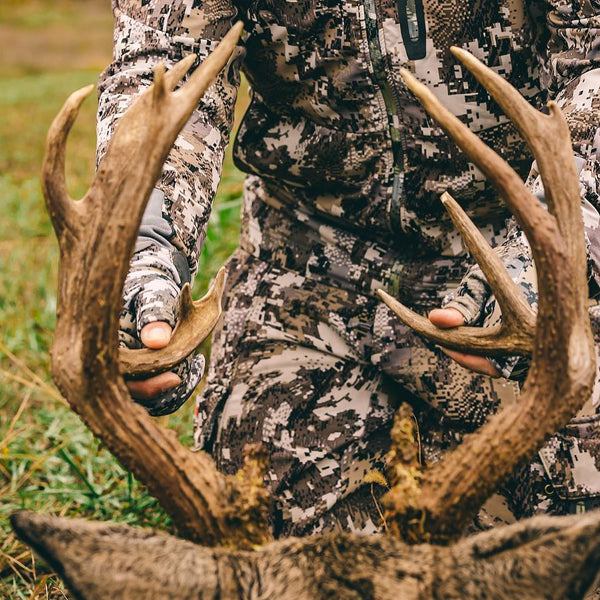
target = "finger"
x: 156, y: 334
x: 147, y: 389
x: 190, y: 371
x: 479, y: 364
x: 446, y: 318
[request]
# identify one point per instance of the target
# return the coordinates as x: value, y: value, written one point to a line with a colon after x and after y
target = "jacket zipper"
x: 392, y: 105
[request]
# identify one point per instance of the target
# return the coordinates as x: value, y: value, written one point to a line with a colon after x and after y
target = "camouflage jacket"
x: 332, y: 135
x: 331, y: 128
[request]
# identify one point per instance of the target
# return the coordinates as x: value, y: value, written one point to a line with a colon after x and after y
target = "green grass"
x: 39, y: 36
x: 49, y: 462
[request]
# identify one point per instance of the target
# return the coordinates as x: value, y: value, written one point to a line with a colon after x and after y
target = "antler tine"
x: 549, y: 138
x: 159, y: 86
x: 521, y: 113
x: 174, y: 75
x: 547, y: 135
x: 488, y: 341
x: 196, y: 321
x: 516, y: 332
x: 522, y: 204
x: 58, y: 201
x: 515, y: 309
x: 201, y: 78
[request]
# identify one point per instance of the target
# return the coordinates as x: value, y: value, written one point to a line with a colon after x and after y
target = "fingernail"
x: 153, y: 336
x: 156, y: 335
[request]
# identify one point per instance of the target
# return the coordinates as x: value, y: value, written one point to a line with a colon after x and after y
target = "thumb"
x: 445, y: 318
x: 156, y: 334
x: 157, y: 302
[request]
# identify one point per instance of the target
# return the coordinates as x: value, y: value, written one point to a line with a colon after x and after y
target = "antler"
x: 96, y: 236
x: 513, y: 335
x: 562, y: 371
x: 196, y: 319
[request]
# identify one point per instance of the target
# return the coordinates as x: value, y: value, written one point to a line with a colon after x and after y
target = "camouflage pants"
x: 308, y: 362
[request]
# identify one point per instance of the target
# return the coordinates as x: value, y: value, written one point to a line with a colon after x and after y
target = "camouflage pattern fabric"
x: 332, y: 127
x: 342, y: 198
x: 311, y: 364
x: 308, y: 361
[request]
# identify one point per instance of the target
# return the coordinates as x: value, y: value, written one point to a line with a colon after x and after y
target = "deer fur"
x: 544, y: 558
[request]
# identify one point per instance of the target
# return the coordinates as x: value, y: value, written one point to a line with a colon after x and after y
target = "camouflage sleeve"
x: 174, y: 224
x: 570, y: 71
x: 145, y: 34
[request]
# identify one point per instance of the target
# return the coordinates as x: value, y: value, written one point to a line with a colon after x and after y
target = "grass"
x: 49, y: 462
x: 40, y: 36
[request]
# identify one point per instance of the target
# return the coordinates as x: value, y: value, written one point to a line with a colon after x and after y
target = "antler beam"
x: 96, y: 236
x: 562, y: 371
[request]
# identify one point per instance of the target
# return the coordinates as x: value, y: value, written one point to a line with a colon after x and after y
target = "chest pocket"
x: 412, y: 25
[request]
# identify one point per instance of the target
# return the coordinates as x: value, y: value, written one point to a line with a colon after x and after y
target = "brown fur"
x: 545, y: 558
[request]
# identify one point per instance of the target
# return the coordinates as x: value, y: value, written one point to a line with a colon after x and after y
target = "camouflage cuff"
x: 470, y: 297
x: 157, y: 300
x: 156, y: 231
x: 512, y: 367
x: 151, y: 290
x: 466, y: 306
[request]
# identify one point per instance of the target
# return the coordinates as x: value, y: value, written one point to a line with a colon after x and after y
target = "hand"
x: 150, y: 305
x: 154, y: 335
x: 446, y: 318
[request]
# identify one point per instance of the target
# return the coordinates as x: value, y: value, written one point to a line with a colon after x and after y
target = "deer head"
x: 542, y: 558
